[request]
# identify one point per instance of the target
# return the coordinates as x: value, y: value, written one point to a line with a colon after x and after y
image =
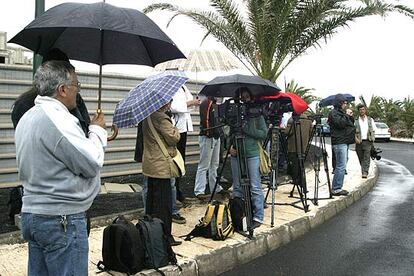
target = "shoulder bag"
x: 177, y: 162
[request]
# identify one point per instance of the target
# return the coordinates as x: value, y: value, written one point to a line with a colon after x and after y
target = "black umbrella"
x: 230, y: 86
x: 330, y: 100
x: 99, y: 33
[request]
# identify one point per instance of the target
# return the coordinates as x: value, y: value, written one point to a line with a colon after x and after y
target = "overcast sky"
x: 373, y: 56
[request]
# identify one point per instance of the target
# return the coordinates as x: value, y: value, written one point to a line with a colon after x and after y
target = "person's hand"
x: 99, y: 120
x: 233, y: 151
x: 195, y: 102
x: 357, y: 141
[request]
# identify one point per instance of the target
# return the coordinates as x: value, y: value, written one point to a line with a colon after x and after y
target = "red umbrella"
x: 298, y: 104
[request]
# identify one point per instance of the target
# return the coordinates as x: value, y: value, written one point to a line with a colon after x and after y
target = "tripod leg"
x: 325, y: 165
x: 244, y: 182
x: 219, y: 176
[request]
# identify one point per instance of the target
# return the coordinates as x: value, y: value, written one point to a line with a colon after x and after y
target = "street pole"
x: 39, y: 9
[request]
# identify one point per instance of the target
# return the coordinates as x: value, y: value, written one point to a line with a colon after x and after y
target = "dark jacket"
x: 342, y: 127
x: 207, y: 119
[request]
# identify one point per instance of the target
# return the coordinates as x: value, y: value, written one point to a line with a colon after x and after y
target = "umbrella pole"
x: 100, y: 89
x: 114, y: 128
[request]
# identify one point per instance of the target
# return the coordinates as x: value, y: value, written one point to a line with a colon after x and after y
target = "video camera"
x: 375, y: 153
x: 234, y: 113
x: 317, y: 118
x: 275, y: 109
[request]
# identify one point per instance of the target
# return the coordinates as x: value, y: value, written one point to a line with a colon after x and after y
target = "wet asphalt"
x: 375, y: 236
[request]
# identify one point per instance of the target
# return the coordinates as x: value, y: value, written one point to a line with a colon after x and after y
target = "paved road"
x: 373, y: 237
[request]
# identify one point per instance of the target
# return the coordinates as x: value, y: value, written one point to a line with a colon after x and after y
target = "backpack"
x: 122, y: 248
x: 15, y: 202
x: 158, y: 251
x: 238, y: 214
x: 216, y: 223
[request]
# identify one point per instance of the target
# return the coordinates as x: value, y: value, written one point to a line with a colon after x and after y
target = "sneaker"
x: 202, y: 196
x: 340, y: 193
x: 177, y: 218
x: 179, y: 204
x: 224, y: 180
x: 256, y: 224
x: 175, y: 243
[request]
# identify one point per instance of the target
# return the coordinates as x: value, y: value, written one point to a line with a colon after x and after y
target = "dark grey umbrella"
x: 230, y: 86
x: 330, y: 100
x: 99, y: 33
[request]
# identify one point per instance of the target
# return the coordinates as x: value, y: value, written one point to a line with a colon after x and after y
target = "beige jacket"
x: 154, y: 163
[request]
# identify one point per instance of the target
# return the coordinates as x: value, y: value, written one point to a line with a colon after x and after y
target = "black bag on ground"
x: 238, y: 214
x: 216, y: 223
x: 158, y: 251
x: 122, y: 248
x: 15, y: 202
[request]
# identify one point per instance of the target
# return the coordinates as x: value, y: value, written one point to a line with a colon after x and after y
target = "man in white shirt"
x: 364, y: 138
x: 182, y: 104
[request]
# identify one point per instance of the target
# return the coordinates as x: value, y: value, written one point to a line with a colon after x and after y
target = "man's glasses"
x: 78, y: 85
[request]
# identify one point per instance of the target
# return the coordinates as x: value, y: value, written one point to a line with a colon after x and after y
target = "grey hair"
x: 50, y: 75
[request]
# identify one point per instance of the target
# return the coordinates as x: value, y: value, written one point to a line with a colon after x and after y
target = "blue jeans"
x: 209, y: 161
x: 52, y: 250
x: 173, y: 194
x: 256, y: 192
x: 341, y: 156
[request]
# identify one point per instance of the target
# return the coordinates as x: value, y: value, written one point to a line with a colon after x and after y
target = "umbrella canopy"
x: 331, y: 99
x: 298, y: 104
x: 230, y: 86
x: 203, y: 60
x: 146, y: 98
x: 99, y: 33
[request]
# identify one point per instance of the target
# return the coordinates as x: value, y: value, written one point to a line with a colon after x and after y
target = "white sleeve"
x: 179, y: 103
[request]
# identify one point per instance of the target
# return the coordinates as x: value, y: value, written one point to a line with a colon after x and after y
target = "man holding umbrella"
x: 342, y: 134
x: 59, y: 168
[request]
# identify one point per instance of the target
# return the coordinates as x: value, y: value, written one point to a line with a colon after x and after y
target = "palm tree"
x: 267, y: 35
x: 407, y: 116
x: 304, y: 93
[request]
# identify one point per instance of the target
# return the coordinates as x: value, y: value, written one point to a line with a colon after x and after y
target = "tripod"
x: 319, y: 154
x: 274, y: 138
x: 238, y: 140
x: 299, y: 176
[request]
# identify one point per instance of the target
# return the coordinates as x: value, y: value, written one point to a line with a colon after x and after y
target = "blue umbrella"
x: 147, y: 97
x: 331, y: 99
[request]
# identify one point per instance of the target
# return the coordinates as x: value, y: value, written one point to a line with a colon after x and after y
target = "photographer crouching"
x: 255, y: 131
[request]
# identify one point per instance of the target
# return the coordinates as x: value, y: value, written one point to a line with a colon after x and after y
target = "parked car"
x: 383, y: 132
x: 326, y: 129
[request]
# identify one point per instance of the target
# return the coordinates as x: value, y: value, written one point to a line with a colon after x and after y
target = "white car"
x: 382, y: 132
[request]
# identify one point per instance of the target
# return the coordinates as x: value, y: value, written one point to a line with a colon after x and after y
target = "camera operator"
x: 297, y: 144
x: 364, y: 138
x: 209, y: 141
x: 255, y: 130
x: 342, y: 134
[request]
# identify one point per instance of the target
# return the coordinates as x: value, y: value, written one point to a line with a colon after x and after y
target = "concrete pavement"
x: 202, y: 256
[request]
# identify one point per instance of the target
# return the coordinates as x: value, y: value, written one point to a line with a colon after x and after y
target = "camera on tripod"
x: 375, y: 153
x: 273, y: 110
x: 317, y: 118
x: 235, y: 113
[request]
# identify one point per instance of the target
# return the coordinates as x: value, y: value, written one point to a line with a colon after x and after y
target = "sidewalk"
x: 202, y: 256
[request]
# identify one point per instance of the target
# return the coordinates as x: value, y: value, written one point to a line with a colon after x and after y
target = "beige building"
x: 13, y: 55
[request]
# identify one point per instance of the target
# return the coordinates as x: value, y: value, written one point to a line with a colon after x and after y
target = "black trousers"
x: 181, y: 146
x: 158, y: 202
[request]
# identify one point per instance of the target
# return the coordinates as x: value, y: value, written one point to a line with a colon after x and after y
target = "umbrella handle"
x: 114, y: 129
